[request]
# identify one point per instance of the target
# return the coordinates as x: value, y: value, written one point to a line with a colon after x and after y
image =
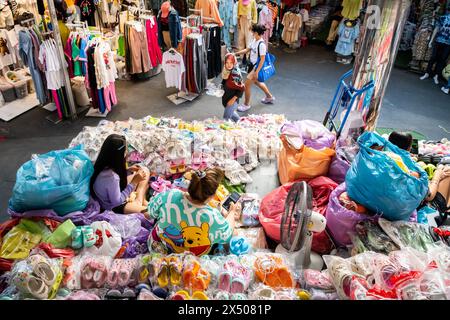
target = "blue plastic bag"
x: 57, y: 180
x: 268, y: 67
x: 378, y: 183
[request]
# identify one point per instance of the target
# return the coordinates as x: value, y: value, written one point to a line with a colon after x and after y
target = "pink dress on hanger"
x: 266, y: 19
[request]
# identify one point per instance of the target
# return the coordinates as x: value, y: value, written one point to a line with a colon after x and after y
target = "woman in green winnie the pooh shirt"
x: 185, y: 222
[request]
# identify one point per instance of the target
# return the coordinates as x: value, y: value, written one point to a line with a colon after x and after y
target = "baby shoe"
x: 239, y: 246
x: 77, y: 238
x: 89, y: 238
x: 43, y: 268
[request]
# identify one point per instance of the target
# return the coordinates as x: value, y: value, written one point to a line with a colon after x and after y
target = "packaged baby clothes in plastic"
x: 255, y: 237
x: 408, y: 234
x: 341, y: 274
x: 368, y: 236
x: 250, y: 207
x: 321, y: 280
x: 18, y: 242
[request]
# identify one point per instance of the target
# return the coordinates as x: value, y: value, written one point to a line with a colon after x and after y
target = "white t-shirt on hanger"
x: 173, y: 66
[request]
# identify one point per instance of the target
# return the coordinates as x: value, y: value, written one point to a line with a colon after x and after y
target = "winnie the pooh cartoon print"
x: 195, y: 239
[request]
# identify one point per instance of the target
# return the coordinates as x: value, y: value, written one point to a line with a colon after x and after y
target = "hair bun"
x: 200, y: 174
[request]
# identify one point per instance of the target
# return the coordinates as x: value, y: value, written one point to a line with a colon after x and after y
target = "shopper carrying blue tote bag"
x: 268, y: 68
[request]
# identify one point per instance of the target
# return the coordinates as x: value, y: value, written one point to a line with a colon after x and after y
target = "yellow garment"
x: 250, y: 11
x: 351, y: 9
x: 64, y: 31
x: 398, y: 160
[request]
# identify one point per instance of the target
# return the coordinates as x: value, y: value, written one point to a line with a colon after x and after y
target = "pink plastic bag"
x: 272, y: 210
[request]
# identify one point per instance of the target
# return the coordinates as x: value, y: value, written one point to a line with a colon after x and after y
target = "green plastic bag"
x: 62, y: 236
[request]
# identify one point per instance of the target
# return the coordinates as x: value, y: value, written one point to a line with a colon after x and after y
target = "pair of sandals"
x: 235, y: 173
x: 122, y: 273
x: 272, y: 271
x: 195, y: 277
x: 167, y: 270
x: 36, y: 276
x: 239, y: 246
x: 160, y: 185
x: 94, y: 273
x: 83, y: 236
x: 177, y: 150
x: 200, y: 161
x: 234, y: 278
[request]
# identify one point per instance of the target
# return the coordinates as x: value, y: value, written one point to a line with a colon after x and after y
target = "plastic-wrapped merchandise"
x: 273, y: 270
x: 378, y: 183
x: 317, y: 279
x: 318, y: 294
x: 260, y: 291
x: 94, y: 271
x: 37, y: 276
x: 57, y: 180
x: 234, y: 277
x: 62, y: 236
x: 255, y: 237
x: 167, y: 271
x: 18, y: 242
x: 72, y: 275
x: 250, y: 207
x: 407, y: 234
x: 341, y: 274
x: 368, y: 236
x: 432, y: 284
x: 122, y: 273
x: 195, y: 276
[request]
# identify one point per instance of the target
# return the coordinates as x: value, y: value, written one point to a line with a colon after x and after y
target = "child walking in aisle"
x: 233, y: 87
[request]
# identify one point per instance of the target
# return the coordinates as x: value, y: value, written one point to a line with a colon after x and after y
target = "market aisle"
x: 304, y: 87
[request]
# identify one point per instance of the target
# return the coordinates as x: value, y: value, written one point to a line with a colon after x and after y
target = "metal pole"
x: 57, y: 37
x: 379, y: 41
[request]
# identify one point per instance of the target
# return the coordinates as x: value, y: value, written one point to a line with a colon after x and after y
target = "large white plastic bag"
x: 375, y: 181
x: 57, y: 180
x: 108, y: 241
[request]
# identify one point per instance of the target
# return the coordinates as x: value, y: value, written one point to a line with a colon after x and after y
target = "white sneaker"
x: 425, y: 76
x: 445, y: 90
x: 436, y: 79
x: 243, y: 108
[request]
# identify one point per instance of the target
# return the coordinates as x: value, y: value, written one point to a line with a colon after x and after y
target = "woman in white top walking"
x: 258, y: 48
